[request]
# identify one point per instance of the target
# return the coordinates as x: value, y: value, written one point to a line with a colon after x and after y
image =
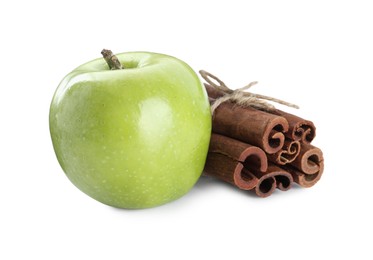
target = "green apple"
x: 132, y: 138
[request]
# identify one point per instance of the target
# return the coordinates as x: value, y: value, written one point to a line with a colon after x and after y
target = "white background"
x: 317, y: 54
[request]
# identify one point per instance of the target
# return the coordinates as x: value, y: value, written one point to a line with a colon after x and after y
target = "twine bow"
x: 240, y: 96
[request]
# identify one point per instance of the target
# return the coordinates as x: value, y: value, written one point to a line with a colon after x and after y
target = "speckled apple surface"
x: 132, y: 138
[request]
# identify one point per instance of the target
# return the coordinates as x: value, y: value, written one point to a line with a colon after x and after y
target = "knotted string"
x: 240, y: 96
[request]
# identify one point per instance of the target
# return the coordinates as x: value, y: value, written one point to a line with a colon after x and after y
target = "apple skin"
x: 132, y: 138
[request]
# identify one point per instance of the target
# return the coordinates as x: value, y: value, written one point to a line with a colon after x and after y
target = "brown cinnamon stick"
x: 287, y: 154
x: 266, y: 186
x: 228, y: 159
x: 273, y: 178
x: 310, y: 159
x: 239, y: 151
x: 229, y: 170
x: 250, y: 125
x: 305, y: 180
x: 299, y: 129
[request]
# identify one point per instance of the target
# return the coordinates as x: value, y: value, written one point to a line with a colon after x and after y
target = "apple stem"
x: 111, y: 60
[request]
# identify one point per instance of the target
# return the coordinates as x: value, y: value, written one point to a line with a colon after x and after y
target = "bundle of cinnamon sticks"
x: 260, y: 150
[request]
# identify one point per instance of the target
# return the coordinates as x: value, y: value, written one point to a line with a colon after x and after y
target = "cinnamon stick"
x: 299, y: 129
x: 310, y: 159
x: 287, y: 154
x: 239, y: 151
x: 305, y: 180
x: 229, y: 170
x: 229, y: 159
x: 251, y: 126
x: 274, y: 177
x: 266, y: 186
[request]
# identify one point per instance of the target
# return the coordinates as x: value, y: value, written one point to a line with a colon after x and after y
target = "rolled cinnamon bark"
x: 251, y: 126
x: 239, y: 151
x: 228, y: 159
x: 284, y: 181
x: 299, y: 129
x: 229, y: 170
x: 273, y: 178
x: 287, y: 154
x: 310, y: 159
x: 305, y: 180
x: 266, y: 186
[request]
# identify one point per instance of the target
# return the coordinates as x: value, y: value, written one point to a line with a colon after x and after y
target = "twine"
x: 240, y: 96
